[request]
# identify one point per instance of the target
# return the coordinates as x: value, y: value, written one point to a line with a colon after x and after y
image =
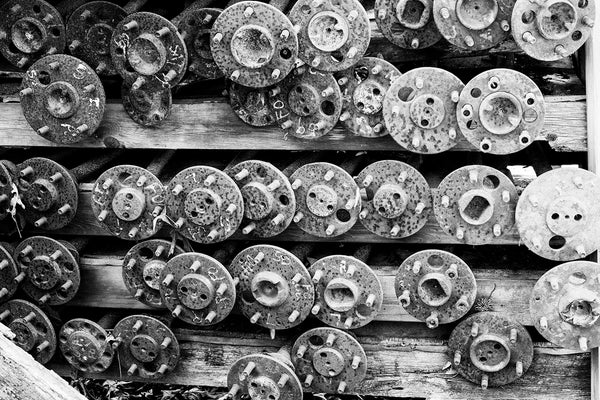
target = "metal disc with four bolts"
x: 85, y: 345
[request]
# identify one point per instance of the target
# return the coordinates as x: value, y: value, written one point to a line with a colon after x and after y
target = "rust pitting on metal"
x: 8, y: 272
x: 250, y: 104
x: 407, y: 23
x: 11, y: 217
x: 85, y: 345
x: 146, y: 105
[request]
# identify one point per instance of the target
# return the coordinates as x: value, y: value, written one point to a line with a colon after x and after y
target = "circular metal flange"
x: 348, y: 293
x: 491, y: 349
x: 501, y: 111
x: 30, y: 29
x: 419, y: 110
x: 62, y: 99
x: 269, y: 201
x: 565, y: 305
x: 397, y: 199
x: 435, y: 287
x: 333, y: 35
x: 142, y: 267
x: 146, y: 346
x: 197, y: 289
x: 550, y: 30
x: 147, y: 105
x: 49, y: 193
x: 147, y: 49
x: 558, y: 214
x: 473, y: 24
x: 251, y: 105
x: 205, y: 204
x: 329, y: 360
x: 407, y: 23
x: 307, y: 104
x: 49, y: 271
x: 85, y: 346
x: 8, y: 274
x: 254, y: 44
x: 328, y: 200
x: 475, y: 204
x: 127, y: 201
x: 275, y: 289
x: 263, y: 376
x: 195, y: 26
x: 89, y: 33
x: 363, y: 88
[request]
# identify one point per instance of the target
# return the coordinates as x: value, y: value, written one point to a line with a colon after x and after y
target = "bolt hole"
x: 145, y: 253
x: 528, y: 17
x: 37, y: 9
x: 283, y: 199
x: 578, y: 217
x: 312, y: 195
x: 406, y: 94
x: 491, y: 182
x: 55, y: 32
x: 248, y: 297
x: 316, y: 340
x: 337, y: 56
x: 555, y: 216
x: 44, y: 77
x: 577, y: 35
x: 342, y: 215
x: 475, y: 92
x: 530, y: 101
x: 435, y: 260
x: 429, y: 101
x: 285, y: 53
x: 582, y: 3
x: 557, y: 242
x: 327, y: 107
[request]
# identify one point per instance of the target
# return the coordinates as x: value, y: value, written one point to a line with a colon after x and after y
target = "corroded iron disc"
x: 85, y: 346
x: 251, y: 105
x: 8, y: 272
x: 9, y: 197
x: 148, y: 105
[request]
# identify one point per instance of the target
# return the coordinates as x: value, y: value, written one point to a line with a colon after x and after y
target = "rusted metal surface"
x: 501, y: 111
x: 553, y: 29
x: 328, y: 200
x: 250, y: 104
x: 254, y: 44
x: 197, y: 289
x: 476, y: 204
x: 10, y: 216
x: 435, y: 287
x: 473, y: 24
x: 275, y: 289
x: 565, y: 303
x: 419, y: 110
x: 145, y: 105
x: 146, y: 346
x: 85, y: 345
x: 29, y: 30
x: 558, y: 214
x: 62, y: 99
x: 333, y: 35
x: 348, y: 294
x: 396, y: 199
x: 205, y: 204
x: 490, y: 349
x: 363, y: 87
x: 142, y: 267
x: 407, y: 23
x: 329, y: 360
x: 8, y: 272
x: 34, y: 332
x: 49, y: 272
x: 269, y: 201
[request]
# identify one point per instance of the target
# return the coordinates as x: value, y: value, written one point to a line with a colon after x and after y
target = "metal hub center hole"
x: 328, y: 31
x: 328, y: 362
x: 129, y: 204
x: 203, y: 206
x: 368, y: 97
x: 390, y: 201
x: 490, y: 353
x: 263, y: 388
x: 28, y: 35
x: 151, y: 273
x: 580, y: 312
x: 427, y: 111
x: 41, y: 196
x: 258, y: 201
x: 270, y: 289
x: 144, y: 348
x: 62, y: 99
x: 477, y: 14
x: 99, y: 36
x: 44, y: 273
x: 195, y: 291
x: 303, y: 100
x: 475, y: 208
x: 435, y: 289
x: 557, y: 20
x: 500, y: 113
x: 252, y: 46
x: 413, y: 14
x: 147, y: 54
x: 25, y: 334
x: 341, y: 294
x: 321, y: 200
x: 566, y: 216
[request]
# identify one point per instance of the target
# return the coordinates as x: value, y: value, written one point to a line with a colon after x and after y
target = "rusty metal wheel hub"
x: 85, y: 346
x: 250, y: 104
x: 9, y: 271
x: 407, y: 23
x: 195, y: 27
x: 145, y: 105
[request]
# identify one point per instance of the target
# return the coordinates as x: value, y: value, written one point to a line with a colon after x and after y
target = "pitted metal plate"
x: 205, y: 204
x: 197, y: 289
x: 558, y: 214
x: 553, y: 29
x: 89, y: 32
x: 329, y: 360
x: 419, y: 110
x: 501, y: 111
x: 127, y: 201
x: 565, y: 305
x: 476, y: 204
x: 142, y: 267
x: 328, y: 200
x: 147, y: 49
x: 62, y: 99
x: 8, y: 272
x: 407, y: 23
x: 250, y: 104
x: 333, y: 35
x: 254, y: 44
x: 146, y: 346
x: 363, y: 87
x: 34, y: 332
x: 269, y: 201
x: 263, y: 376
x: 435, y: 287
x: 85, y: 346
x: 49, y: 193
x: 195, y: 27
x: 51, y: 271
x: 275, y: 289
x: 8, y: 190
x: 397, y: 200
x: 490, y: 349
x: 473, y: 24
x: 30, y: 29
x: 348, y: 293
x: 148, y: 105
